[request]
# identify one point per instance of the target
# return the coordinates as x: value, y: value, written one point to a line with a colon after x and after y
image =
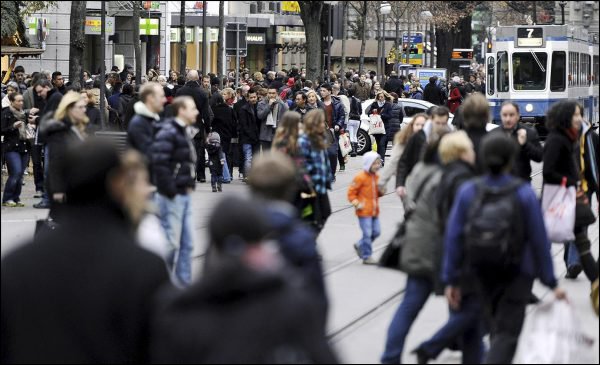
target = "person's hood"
x: 141, y: 109
x: 368, y: 159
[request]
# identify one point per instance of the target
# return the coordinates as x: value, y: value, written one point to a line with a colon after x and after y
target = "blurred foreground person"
x: 83, y: 292
x: 244, y: 309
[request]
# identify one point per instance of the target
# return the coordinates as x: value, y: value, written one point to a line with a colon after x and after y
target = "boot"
x: 214, y: 189
x: 219, y: 188
x: 354, y: 149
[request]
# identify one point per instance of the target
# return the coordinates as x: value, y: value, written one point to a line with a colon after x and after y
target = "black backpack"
x: 494, y: 233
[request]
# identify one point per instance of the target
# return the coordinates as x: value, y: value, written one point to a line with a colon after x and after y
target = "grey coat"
x: 423, y: 246
x: 262, y: 112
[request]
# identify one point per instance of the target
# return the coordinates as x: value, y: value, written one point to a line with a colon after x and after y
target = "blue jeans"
x: 15, y: 162
x: 226, y: 174
x: 176, y: 219
x: 571, y: 254
x: 371, y: 229
x: 417, y: 292
x: 466, y: 323
x: 45, y: 197
x: 249, y: 150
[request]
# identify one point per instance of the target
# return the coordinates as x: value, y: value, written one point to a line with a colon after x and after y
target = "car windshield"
x: 529, y: 70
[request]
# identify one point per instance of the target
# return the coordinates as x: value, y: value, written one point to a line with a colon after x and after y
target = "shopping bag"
x: 270, y: 120
x: 558, y: 205
x: 376, y: 124
x: 552, y: 334
x: 345, y: 145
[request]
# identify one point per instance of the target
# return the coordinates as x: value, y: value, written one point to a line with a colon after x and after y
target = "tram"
x: 536, y: 66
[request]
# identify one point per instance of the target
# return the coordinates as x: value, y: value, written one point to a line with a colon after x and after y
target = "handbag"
x: 558, y: 205
x: 392, y: 255
x: 376, y: 124
x: 345, y: 145
x: 584, y: 216
x: 43, y: 227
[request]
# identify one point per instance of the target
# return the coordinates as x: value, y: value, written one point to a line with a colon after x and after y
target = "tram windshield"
x: 529, y: 70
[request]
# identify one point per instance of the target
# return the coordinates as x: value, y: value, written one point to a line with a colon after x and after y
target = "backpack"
x: 494, y: 233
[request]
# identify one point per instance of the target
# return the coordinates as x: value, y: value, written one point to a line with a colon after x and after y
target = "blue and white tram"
x: 536, y: 66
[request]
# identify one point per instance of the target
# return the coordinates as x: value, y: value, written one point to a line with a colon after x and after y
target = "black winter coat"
x: 173, y: 160
x: 248, y: 124
x: 140, y: 133
x: 410, y: 156
x: 395, y: 121
x: 559, y: 160
x: 193, y: 89
x: 434, y: 94
x: 237, y: 315
x: 89, y: 298
x: 532, y: 150
x: 224, y: 122
x: 394, y: 85
x: 94, y: 123
x: 12, y: 141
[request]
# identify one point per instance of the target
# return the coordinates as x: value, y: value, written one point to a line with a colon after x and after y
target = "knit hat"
x: 291, y: 82
x: 214, y: 138
x: 368, y: 159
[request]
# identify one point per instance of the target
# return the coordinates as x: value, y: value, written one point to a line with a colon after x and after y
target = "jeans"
x: 227, y: 177
x: 571, y: 255
x: 227, y: 152
x: 417, y: 292
x: 265, y: 146
x: 216, y: 179
x: 465, y: 323
x: 200, y: 159
x: 353, y: 126
x: 176, y: 219
x: 371, y: 229
x: 381, y: 140
x: 38, y: 166
x: 249, y: 151
x: 15, y: 162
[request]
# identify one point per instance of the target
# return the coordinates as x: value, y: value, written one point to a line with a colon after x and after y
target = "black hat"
x: 236, y: 223
x: 497, y: 151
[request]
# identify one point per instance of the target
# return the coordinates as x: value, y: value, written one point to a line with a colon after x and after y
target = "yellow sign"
x: 290, y: 6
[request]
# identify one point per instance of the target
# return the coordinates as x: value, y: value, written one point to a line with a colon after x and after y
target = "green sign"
x: 149, y: 26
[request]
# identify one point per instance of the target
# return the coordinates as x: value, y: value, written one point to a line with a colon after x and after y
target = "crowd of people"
x: 262, y: 284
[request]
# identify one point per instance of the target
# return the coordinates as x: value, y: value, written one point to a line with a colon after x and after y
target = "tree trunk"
x: 447, y: 39
x: 77, y: 42
x: 408, y: 42
x: 398, y: 43
x: 137, y: 51
x: 363, y: 38
x: 344, y: 31
x: 310, y: 12
x: 379, y: 40
x: 182, y: 42
x: 220, y: 59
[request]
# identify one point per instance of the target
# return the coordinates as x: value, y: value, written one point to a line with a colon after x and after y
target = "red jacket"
x: 454, y: 100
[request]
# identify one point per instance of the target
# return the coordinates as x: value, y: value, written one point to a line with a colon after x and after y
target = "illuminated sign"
x: 530, y: 37
x: 255, y: 38
x: 93, y: 25
x: 462, y: 54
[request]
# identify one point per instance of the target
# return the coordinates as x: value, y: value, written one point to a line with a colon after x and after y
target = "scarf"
x: 572, y: 133
x: 20, y: 116
x: 380, y: 103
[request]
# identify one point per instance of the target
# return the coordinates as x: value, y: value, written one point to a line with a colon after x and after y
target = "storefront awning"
x: 20, y: 51
x: 353, y: 48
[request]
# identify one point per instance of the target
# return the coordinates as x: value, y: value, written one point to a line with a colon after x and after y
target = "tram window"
x: 490, y: 72
x: 585, y: 69
x: 529, y: 70
x: 558, y: 74
x: 502, y: 73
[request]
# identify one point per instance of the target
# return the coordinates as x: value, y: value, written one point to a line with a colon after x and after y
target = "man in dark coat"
x: 82, y: 293
x: 194, y: 89
x: 433, y: 93
x: 248, y: 130
x: 393, y: 84
x: 141, y: 129
x: 246, y: 308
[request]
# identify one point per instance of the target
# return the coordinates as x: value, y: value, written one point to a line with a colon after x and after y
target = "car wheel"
x: 364, y: 142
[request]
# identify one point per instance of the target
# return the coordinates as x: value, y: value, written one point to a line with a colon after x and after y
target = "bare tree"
x: 360, y: 28
x: 77, y: 42
x: 137, y: 51
x: 344, y: 36
x: 310, y: 12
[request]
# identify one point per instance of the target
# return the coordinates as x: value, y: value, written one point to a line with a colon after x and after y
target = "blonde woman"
x: 65, y: 130
x: 312, y: 100
x: 400, y: 140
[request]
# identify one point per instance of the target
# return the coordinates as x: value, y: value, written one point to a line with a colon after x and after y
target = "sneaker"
x: 19, y: 204
x: 10, y: 204
x: 342, y: 168
x: 370, y: 261
x: 573, y: 271
x: 357, y: 250
x: 38, y: 194
x: 41, y: 205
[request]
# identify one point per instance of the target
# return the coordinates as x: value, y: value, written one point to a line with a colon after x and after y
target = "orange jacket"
x: 364, y: 189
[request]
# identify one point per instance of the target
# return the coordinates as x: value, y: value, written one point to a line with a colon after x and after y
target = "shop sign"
x: 255, y: 38
x: 93, y: 25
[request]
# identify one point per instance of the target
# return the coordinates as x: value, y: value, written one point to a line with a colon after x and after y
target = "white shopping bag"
x: 376, y: 124
x: 345, y: 145
x: 271, y: 121
x: 558, y: 205
x: 552, y: 334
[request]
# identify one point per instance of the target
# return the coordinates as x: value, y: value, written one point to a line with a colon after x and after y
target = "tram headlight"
x: 529, y: 108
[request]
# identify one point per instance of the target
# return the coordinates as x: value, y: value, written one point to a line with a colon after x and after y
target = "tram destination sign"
x: 530, y: 37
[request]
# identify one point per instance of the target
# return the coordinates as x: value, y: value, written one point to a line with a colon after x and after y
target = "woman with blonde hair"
x: 313, y: 151
x: 94, y: 124
x: 400, y: 140
x: 65, y: 130
x: 312, y: 100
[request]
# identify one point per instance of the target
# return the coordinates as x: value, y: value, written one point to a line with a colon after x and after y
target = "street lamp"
x: 562, y: 10
x: 427, y: 16
x: 385, y: 9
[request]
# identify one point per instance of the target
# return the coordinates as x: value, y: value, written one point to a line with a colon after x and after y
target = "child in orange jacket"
x: 364, y: 195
